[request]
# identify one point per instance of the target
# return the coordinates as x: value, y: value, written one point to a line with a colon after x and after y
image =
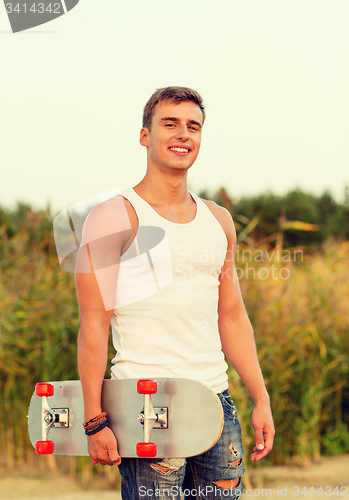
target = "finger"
x: 114, y: 457
x: 269, y: 439
x: 259, y: 439
x: 259, y: 454
x: 111, y: 457
x: 113, y: 453
x: 105, y: 461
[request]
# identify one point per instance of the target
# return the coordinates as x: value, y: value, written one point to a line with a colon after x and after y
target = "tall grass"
x: 38, y: 332
x: 38, y: 325
x: 301, y: 325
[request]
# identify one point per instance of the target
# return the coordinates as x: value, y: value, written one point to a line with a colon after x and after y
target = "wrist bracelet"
x: 96, y: 427
x: 98, y: 418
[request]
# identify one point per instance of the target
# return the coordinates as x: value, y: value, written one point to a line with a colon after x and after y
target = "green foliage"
x: 301, y: 327
x: 267, y: 206
x: 39, y: 324
x: 38, y: 328
x: 296, y: 205
x: 335, y: 440
x: 299, y: 315
x: 301, y: 206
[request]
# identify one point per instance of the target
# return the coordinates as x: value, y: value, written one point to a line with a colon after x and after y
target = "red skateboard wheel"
x: 44, y: 447
x: 43, y: 389
x: 146, y: 450
x: 147, y: 386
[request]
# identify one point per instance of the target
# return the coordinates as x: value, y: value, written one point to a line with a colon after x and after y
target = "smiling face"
x: 174, y: 139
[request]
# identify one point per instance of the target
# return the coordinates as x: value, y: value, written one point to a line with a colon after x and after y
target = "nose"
x: 182, y: 133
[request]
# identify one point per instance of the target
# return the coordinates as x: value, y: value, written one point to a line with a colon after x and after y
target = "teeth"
x: 180, y: 150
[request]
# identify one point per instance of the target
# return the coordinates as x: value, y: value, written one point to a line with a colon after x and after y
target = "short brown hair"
x: 177, y: 94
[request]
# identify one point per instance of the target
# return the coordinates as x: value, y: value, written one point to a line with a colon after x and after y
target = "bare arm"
x: 92, y: 361
x: 239, y: 346
x: 238, y: 341
x: 100, y: 252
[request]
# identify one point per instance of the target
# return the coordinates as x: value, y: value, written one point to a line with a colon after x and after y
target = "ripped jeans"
x: 194, y: 477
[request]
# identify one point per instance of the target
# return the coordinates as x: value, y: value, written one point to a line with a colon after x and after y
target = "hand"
x: 103, y: 448
x: 263, y: 425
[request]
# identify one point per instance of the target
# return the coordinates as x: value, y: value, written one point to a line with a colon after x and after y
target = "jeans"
x: 194, y: 477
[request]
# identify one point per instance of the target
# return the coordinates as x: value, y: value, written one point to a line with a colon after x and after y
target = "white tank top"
x: 165, y: 321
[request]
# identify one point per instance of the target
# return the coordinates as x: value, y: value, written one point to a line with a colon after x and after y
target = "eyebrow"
x: 175, y: 119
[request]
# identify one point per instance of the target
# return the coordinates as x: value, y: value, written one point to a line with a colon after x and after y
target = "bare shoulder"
x: 224, y: 217
x: 112, y: 216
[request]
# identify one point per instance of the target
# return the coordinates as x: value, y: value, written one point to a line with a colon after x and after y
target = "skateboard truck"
x: 150, y: 418
x: 161, y: 421
x: 51, y: 417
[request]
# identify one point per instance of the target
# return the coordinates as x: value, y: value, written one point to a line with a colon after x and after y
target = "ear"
x: 143, y: 137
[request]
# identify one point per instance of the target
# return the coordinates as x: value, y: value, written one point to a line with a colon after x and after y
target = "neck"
x: 164, y: 189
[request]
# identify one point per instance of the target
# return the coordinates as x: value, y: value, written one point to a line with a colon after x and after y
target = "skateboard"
x: 166, y: 417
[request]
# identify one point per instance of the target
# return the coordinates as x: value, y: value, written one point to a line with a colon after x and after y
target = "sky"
x: 274, y: 76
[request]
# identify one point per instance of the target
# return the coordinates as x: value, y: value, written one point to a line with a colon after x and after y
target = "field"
x: 298, y: 302
x: 268, y: 482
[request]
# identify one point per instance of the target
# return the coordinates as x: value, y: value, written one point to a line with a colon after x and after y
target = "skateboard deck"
x: 183, y: 417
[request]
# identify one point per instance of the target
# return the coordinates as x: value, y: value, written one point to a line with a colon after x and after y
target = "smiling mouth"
x: 180, y: 150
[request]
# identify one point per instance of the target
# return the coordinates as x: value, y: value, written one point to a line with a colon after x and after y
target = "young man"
x: 178, y: 330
